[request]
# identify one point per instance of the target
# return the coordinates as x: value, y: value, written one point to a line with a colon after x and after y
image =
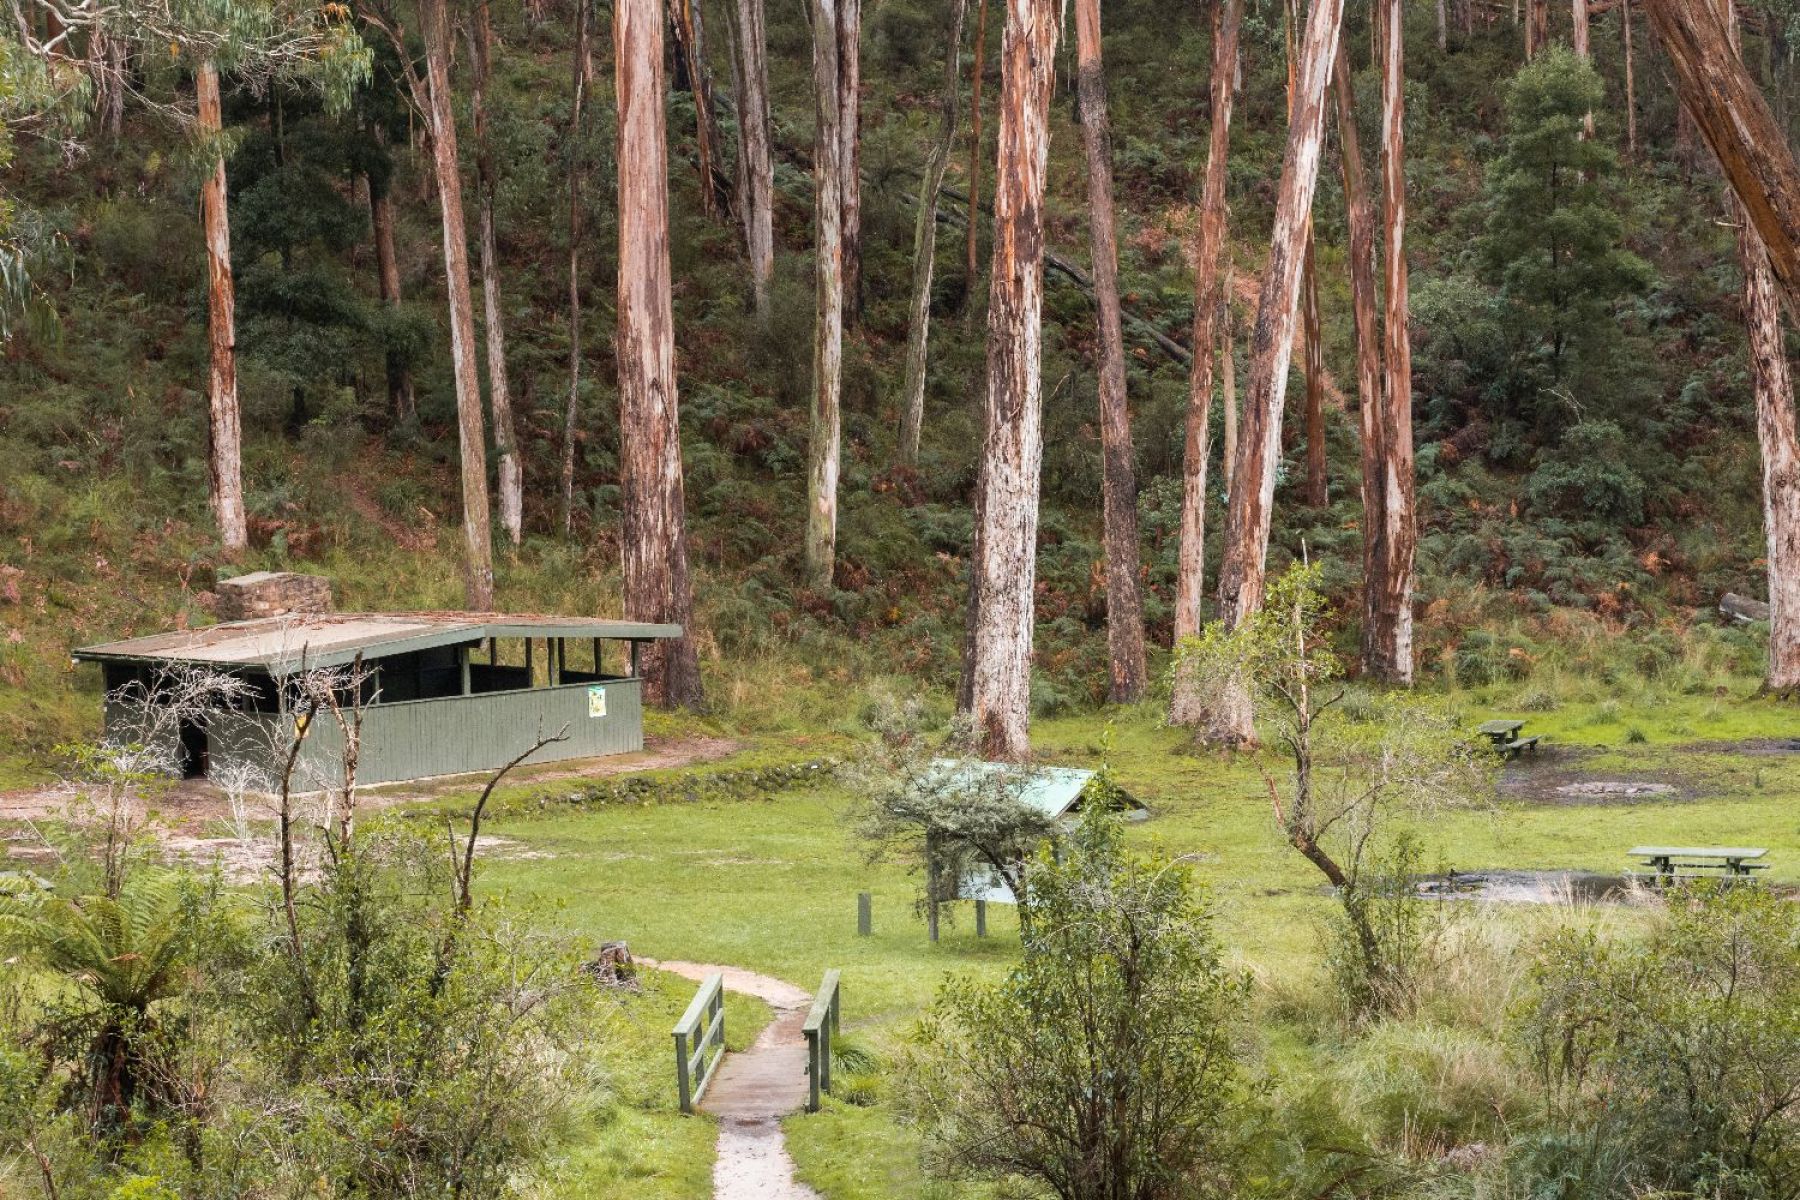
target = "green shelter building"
x: 443, y: 693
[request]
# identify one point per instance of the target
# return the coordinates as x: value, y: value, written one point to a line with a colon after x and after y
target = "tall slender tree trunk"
x: 849, y: 32
x: 506, y: 440
x: 1578, y: 40
x: 1443, y: 27
x: 1241, y: 573
x: 972, y: 269
x: 1012, y: 451
x: 1393, y: 651
x: 434, y: 20
x: 1316, y: 494
x: 1228, y: 438
x: 918, y: 334
x: 226, y: 449
x: 578, y: 94
x: 1727, y: 105
x: 1364, y: 300
x: 1124, y: 602
x: 1630, y: 81
x: 653, y: 525
x: 1775, y: 429
x: 756, y: 206
x: 690, y: 37
x: 1537, y: 27
x: 1209, y: 305
x: 381, y: 220
x: 828, y: 321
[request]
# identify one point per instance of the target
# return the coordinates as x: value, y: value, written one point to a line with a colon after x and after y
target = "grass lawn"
x: 770, y: 884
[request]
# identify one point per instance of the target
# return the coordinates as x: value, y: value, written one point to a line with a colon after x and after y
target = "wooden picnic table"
x: 1670, y: 861
x: 1504, y: 736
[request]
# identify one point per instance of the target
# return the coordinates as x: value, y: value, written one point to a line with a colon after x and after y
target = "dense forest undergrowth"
x: 1588, y: 475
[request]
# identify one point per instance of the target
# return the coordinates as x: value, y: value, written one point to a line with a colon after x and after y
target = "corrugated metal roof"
x: 278, y: 644
x: 1053, y: 791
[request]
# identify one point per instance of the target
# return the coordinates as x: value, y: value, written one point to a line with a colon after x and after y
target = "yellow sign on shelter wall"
x: 596, y: 702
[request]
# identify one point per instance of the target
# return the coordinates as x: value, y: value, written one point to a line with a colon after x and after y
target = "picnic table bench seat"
x: 1504, y: 736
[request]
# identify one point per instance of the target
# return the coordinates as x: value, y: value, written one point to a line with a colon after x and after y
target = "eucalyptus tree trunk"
x: 1209, y: 304
x: 1364, y: 299
x: 756, y: 205
x: 1006, y: 542
x: 225, y: 456
x: 828, y: 318
x: 1775, y: 429
x: 1443, y: 26
x: 653, y: 527
x: 972, y: 269
x: 1124, y: 602
x: 918, y: 334
x: 1537, y: 27
x: 849, y: 33
x: 1316, y: 495
x: 1242, y: 571
x: 434, y: 21
x: 578, y: 81
x: 1728, y: 107
x: 690, y: 37
x: 1578, y: 41
x: 1228, y: 438
x: 381, y: 221
x: 1392, y: 657
x: 511, y: 481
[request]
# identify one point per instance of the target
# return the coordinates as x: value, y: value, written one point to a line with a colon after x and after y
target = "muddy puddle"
x: 1534, y: 887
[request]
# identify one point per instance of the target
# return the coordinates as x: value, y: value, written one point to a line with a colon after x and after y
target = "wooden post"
x: 636, y: 658
x: 530, y: 667
x: 597, y: 670
x: 980, y: 918
x: 462, y: 655
x: 684, y: 1085
x: 553, y: 661
x: 865, y: 914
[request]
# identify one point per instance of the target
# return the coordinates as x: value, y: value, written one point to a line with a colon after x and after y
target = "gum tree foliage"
x: 1104, y: 1065
x: 1670, y: 1062
x: 1351, y: 781
x: 1553, y: 244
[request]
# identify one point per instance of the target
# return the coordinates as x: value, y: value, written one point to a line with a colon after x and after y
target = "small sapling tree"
x: 1104, y: 1064
x: 1347, y: 779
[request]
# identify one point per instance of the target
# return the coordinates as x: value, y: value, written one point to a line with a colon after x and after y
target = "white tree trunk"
x: 1241, y: 573
x: 828, y: 316
x: 756, y: 205
x: 918, y: 334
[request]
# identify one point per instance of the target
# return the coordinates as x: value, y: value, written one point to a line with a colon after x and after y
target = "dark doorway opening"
x: 193, y: 750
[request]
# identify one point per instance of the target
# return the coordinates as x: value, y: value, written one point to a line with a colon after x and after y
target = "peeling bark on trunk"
x: 1228, y: 389
x: 1241, y: 573
x: 578, y: 94
x: 511, y: 481
x: 1392, y: 657
x: 1012, y: 452
x: 1537, y: 27
x: 1364, y: 300
x: 849, y: 33
x: 918, y: 334
x: 1775, y: 429
x: 690, y: 39
x: 1124, y: 602
x: 381, y: 220
x: 828, y: 318
x: 653, y: 528
x: 225, y: 457
x: 1578, y: 40
x: 434, y: 20
x: 1209, y: 305
x: 1727, y: 105
x: 756, y: 203
x: 972, y: 270
x: 1316, y: 496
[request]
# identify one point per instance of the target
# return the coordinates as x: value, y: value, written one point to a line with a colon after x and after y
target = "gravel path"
x: 755, y: 1088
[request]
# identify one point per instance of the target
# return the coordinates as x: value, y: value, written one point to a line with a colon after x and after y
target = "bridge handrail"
x: 701, y: 1030
x: 821, y: 1026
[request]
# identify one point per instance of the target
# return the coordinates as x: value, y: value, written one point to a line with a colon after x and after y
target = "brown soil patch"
x: 1556, y: 776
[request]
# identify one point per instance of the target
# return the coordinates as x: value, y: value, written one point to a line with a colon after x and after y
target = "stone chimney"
x: 272, y: 594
